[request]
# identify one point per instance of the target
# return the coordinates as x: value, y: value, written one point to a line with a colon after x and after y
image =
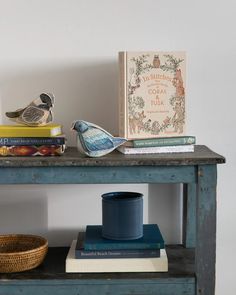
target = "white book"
x: 74, y: 265
x: 157, y: 149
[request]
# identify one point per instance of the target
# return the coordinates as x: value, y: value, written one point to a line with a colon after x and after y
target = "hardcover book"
x: 152, y: 239
x: 10, y: 141
x: 164, y: 141
x: 156, y: 150
x: 26, y: 131
x: 32, y: 150
x: 152, y: 94
x: 81, y: 253
x: 151, y: 264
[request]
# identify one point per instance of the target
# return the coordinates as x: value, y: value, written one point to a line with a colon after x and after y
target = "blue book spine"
x: 83, y: 254
x: 80, y: 253
x: 17, y: 141
x: 121, y: 246
x: 165, y: 141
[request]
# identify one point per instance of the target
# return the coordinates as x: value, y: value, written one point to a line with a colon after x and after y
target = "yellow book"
x: 26, y: 131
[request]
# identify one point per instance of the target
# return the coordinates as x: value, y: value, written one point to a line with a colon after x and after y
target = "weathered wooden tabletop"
x: 71, y: 157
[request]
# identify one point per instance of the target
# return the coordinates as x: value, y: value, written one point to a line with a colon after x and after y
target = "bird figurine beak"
x: 72, y: 128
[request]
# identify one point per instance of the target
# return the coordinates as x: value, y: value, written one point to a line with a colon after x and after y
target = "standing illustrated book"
x: 151, y: 264
x: 152, y: 94
x: 152, y: 239
x: 81, y: 253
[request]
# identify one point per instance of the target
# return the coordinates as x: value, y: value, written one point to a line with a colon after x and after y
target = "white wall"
x: 70, y: 48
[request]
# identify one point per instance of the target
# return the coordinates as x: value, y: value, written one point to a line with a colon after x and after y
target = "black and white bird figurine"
x: 93, y: 140
x: 37, y: 113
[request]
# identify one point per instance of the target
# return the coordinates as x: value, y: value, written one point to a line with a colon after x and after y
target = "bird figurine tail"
x: 119, y: 141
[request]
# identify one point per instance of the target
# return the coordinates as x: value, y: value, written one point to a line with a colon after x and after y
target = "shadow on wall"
x: 87, y: 91
x: 27, y: 212
x: 56, y: 212
x: 165, y: 209
x: 30, y: 216
x: 26, y: 215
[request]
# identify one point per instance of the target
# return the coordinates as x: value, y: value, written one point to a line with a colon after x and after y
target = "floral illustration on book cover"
x: 155, y: 94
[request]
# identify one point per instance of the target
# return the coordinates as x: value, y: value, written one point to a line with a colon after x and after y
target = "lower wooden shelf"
x: 50, y: 278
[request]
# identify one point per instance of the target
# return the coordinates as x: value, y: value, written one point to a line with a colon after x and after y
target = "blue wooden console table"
x: 191, y: 265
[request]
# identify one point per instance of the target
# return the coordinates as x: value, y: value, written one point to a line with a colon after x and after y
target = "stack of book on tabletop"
x: 22, y: 140
x: 93, y: 253
x: 178, y: 144
x: 152, y: 112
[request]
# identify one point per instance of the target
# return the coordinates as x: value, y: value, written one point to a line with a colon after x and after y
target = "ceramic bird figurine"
x: 37, y: 113
x: 93, y: 140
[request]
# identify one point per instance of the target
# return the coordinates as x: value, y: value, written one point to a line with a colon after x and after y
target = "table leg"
x: 189, y: 215
x: 206, y: 230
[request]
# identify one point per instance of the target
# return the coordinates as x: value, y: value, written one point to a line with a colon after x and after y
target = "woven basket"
x: 21, y: 252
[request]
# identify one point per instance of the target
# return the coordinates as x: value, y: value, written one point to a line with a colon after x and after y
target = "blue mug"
x: 122, y: 215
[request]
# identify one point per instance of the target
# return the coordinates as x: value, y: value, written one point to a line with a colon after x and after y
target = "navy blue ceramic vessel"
x: 122, y: 215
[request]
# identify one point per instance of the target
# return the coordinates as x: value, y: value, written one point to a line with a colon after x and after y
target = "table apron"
x: 77, y: 175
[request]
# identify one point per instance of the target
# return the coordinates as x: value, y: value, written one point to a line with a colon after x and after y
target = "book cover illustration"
x: 152, y: 94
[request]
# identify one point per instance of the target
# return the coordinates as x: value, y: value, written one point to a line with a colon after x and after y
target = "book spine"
x: 155, y: 264
x: 122, y: 94
x: 32, y: 150
x: 13, y: 141
x: 156, y: 150
x: 103, y: 254
x: 123, y: 246
x: 24, y: 131
x: 168, y: 141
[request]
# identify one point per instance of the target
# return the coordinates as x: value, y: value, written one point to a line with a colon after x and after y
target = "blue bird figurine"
x: 93, y: 140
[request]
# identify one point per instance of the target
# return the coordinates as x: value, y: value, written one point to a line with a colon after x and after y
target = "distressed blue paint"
x: 108, y: 281
x: 75, y: 287
x: 206, y: 230
x: 190, y: 218
x: 66, y: 175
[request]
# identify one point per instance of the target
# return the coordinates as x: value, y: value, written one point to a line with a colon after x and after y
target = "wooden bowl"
x: 21, y: 252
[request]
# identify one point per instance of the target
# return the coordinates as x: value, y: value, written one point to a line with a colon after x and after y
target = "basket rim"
x: 24, y: 236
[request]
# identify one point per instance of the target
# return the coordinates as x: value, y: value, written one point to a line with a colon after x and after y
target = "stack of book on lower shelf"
x: 93, y: 253
x: 178, y: 144
x: 21, y: 140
